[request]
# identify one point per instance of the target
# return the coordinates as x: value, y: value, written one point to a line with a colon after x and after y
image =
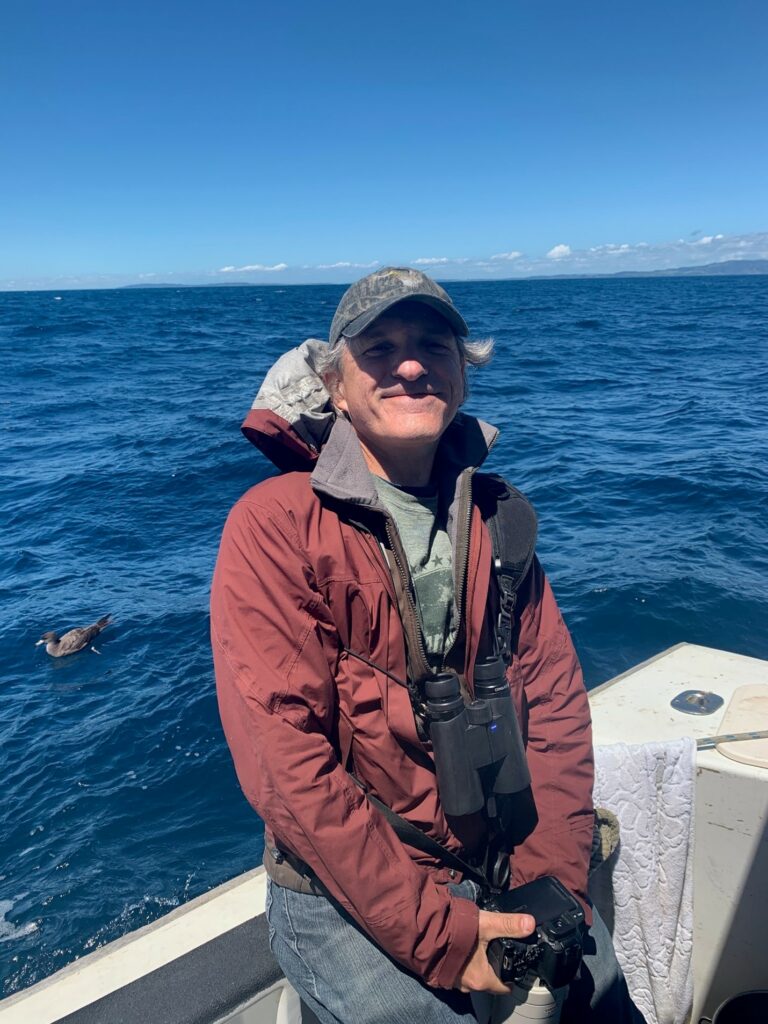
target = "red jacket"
x: 297, y: 580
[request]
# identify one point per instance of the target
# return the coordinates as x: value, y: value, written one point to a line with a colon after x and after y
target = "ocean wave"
x: 9, y: 931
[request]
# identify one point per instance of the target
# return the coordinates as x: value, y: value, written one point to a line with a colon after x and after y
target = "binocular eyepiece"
x: 478, y: 750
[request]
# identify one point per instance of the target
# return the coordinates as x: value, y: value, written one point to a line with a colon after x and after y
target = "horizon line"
x: 693, y: 270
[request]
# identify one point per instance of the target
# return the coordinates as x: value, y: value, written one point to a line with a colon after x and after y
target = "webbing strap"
x: 409, y: 834
x: 506, y: 617
x: 512, y: 526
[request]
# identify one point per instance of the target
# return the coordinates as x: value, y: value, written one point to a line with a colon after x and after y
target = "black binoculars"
x: 478, y: 748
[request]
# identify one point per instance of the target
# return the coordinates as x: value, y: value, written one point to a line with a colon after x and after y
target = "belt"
x: 292, y: 873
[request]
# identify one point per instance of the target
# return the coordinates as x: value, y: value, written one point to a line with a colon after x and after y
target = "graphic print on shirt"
x: 430, y: 561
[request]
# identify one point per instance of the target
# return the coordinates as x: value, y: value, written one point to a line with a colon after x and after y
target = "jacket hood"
x: 292, y: 420
x: 292, y: 415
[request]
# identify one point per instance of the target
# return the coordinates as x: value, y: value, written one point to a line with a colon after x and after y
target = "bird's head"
x: 47, y: 638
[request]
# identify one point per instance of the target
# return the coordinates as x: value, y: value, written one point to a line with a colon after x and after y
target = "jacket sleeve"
x: 275, y: 652
x: 547, y: 676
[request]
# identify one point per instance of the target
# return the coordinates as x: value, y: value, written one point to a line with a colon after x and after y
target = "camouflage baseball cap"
x: 369, y: 297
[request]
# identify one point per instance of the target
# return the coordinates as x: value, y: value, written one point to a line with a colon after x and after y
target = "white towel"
x: 650, y: 788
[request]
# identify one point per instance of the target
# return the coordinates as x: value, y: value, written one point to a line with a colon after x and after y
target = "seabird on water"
x: 73, y: 641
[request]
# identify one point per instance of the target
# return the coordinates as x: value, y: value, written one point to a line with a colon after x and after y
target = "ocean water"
x: 634, y: 414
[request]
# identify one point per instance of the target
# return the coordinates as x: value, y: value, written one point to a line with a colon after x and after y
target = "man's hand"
x: 478, y: 975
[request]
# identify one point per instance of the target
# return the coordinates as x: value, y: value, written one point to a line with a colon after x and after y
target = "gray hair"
x: 477, y: 352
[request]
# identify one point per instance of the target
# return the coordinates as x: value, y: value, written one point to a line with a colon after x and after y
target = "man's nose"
x: 410, y: 367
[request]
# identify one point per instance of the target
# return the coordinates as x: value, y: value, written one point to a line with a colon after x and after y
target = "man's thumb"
x: 513, y: 926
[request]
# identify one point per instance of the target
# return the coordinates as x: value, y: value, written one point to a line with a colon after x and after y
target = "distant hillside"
x: 725, y: 269
x: 208, y: 284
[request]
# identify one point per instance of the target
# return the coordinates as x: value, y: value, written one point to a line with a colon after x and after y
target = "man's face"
x: 401, y: 381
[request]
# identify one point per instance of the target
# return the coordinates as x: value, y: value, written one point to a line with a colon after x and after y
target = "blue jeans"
x: 345, y: 978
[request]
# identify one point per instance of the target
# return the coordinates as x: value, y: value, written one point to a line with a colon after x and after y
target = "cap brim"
x: 449, y: 312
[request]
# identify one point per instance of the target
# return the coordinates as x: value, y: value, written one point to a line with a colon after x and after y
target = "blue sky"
x: 309, y: 141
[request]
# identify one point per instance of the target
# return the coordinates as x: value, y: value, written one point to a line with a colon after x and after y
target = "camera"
x: 553, y: 951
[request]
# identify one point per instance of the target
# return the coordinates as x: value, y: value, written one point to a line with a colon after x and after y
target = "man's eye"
x: 378, y: 350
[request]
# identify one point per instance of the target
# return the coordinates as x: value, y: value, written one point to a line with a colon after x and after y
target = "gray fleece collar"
x: 342, y: 472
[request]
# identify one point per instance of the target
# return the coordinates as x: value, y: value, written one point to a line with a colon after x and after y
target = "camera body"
x: 553, y: 952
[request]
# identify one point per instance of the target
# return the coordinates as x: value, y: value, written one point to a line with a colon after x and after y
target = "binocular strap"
x: 409, y: 834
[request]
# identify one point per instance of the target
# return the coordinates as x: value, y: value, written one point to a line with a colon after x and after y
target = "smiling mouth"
x: 415, y: 394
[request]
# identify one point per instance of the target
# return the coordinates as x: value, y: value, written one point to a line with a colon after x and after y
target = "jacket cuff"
x: 465, y: 928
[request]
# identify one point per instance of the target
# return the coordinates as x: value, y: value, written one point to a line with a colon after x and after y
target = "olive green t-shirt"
x: 427, y: 547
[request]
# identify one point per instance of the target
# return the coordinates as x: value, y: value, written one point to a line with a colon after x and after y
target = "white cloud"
x: 253, y: 266
x: 708, y: 239
x: 559, y: 252
x: 507, y: 256
x: 611, y: 249
x: 342, y: 264
x: 432, y: 261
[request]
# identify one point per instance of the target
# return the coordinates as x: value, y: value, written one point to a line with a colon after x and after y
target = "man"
x: 341, y: 586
